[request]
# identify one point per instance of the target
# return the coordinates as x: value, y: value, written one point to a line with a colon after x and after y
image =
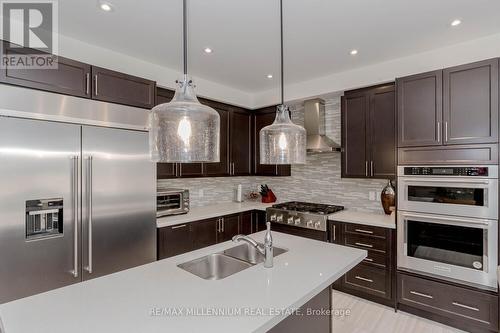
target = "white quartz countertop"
x: 373, y: 219
x: 209, y: 211
x: 125, y: 301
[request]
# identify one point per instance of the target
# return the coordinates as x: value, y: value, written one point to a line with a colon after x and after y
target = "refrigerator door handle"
x: 75, y: 216
x: 89, y: 205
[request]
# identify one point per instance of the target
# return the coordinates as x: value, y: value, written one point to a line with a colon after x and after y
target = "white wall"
x: 165, y: 77
x: 475, y: 50
x: 479, y: 49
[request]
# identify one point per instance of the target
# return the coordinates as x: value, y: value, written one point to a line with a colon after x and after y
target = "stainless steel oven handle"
x: 465, y: 221
x: 75, y: 216
x: 404, y: 180
x: 90, y: 209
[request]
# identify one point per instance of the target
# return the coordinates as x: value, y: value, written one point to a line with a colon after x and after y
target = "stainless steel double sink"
x: 220, y: 265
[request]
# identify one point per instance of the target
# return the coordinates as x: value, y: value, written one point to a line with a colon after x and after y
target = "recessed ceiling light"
x: 269, y: 76
x: 353, y: 52
x: 107, y: 7
x: 456, y: 22
x: 208, y: 50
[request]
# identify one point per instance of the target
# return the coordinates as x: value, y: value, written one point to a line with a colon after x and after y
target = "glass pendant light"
x: 282, y: 142
x: 184, y: 130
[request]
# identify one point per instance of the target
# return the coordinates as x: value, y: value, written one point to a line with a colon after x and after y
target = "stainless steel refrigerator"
x: 76, y: 202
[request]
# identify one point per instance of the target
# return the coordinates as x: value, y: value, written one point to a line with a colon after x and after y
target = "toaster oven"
x: 172, y: 201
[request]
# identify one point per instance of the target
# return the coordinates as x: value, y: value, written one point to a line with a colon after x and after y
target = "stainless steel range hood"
x: 314, y: 123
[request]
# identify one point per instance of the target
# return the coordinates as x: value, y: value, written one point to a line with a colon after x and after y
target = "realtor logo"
x: 31, y: 31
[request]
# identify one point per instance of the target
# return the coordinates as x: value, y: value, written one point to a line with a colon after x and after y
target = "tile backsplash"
x: 317, y: 181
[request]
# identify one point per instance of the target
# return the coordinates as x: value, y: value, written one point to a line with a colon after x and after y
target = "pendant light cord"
x: 184, y: 35
x: 282, y: 71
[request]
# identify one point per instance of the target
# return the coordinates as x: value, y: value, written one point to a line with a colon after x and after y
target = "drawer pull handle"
x: 363, y: 279
x: 364, y: 231
x: 364, y: 245
x: 421, y: 295
x: 465, y: 306
x: 368, y: 259
x: 178, y: 226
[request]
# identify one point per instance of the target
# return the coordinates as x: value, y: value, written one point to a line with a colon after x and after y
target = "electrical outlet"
x: 372, y: 195
x: 201, y: 193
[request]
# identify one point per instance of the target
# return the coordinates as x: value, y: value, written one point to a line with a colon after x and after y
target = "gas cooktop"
x: 309, y: 207
x: 298, y: 214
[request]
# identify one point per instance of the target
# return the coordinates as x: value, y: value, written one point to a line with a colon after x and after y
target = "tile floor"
x: 369, y: 317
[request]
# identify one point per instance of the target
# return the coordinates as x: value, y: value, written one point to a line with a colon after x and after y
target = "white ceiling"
x: 244, y: 34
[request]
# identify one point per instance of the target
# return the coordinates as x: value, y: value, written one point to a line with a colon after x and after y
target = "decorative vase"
x: 388, y: 197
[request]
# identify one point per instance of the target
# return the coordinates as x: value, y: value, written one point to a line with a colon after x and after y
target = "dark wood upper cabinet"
x: 240, y: 143
x: 262, y: 118
x: 470, y: 103
x: 383, y: 132
x: 221, y: 168
x: 116, y: 87
x: 420, y: 109
x: 70, y: 78
x: 368, y: 119
x: 354, y: 140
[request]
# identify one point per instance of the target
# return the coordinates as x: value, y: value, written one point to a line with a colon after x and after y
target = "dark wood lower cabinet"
x: 174, y: 240
x: 182, y: 238
x: 372, y: 279
x: 204, y: 233
x: 463, y: 307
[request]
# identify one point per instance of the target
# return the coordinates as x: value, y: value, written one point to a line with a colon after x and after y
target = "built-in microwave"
x: 459, y: 191
x: 457, y: 248
x: 172, y: 201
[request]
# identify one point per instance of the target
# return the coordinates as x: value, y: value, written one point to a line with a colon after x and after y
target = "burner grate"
x: 309, y: 207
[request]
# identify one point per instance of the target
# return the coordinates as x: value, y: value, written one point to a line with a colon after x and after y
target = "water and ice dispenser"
x: 44, y: 218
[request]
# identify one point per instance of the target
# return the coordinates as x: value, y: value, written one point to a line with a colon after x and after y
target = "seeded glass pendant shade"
x: 184, y: 130
x: 282, y: 142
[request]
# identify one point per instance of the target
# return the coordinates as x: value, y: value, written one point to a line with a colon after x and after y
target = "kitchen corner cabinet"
x: 70, y: 78
x: 368, y: 119
x: 262, y: 118
x: 120, y: 88
x: 240, y: 143
x: 373, y: 278
x: 457, y: 105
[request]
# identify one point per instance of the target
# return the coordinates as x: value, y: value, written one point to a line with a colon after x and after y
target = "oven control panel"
x: 447, y: 171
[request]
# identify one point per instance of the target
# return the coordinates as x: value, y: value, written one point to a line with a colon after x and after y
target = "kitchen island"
x: 161, y: 297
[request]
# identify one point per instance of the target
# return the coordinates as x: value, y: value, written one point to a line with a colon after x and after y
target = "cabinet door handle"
x: 95, y: 85
x: 465, y: 306
x: 371, y: 168
x: 368, y: 259
x: 439, y: 131
x: 363, y: 279
x: 366, y: 168
x: 222, y: 223
x: 445, y: 131
x: 421, y: 295
x: 179, y: 226
x: 334, y: 232
x: 364, y: 231
x: 218, y: 225
x: 364, y: 245
x: 87, y: 83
